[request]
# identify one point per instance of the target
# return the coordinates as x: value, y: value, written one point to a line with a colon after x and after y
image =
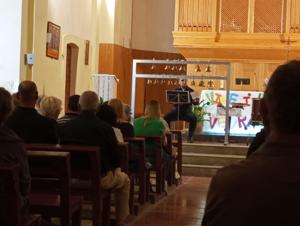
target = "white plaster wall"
x: 152, y: 25
x: 107, y: 21
x: 50, y: 74
x: 10, y: 43
x: 123, y: 21
x: 74, y: 16
x: 115, y: 22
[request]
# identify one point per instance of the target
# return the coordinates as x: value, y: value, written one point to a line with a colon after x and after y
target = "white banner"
x: 106, y: 86
x: 240, y: 118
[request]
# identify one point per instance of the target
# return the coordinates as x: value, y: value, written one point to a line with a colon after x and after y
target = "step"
x: 199, y: 170
x: 215, y: 148
x: 210, y: 159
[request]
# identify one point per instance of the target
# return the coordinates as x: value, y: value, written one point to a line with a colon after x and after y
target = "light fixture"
x: 201, y: 84
x: 193, y: 83
x: 197, y: 68
x: 210, y: 84
x: 152, y: 66
x: 208, y: 69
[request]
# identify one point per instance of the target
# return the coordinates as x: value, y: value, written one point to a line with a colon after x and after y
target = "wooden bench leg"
x: 106, y: 211
x: 131, y: 195
x: 97, y: 210
x: 142, y: 187
x: 76, y: 218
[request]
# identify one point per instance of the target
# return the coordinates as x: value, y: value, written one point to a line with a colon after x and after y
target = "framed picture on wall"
x: 53, y: 40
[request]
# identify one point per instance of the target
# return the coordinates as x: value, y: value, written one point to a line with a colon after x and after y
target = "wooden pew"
x: 51, y: 187
x: 169, y: 147
x: 177, y: 142
x: 10, y: 203
x: 86, y: 178
x: 158, y: 167
x: 137, y: 155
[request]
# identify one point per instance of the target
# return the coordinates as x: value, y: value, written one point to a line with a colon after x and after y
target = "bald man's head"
x: 89, y: 101
x: 27, y: 93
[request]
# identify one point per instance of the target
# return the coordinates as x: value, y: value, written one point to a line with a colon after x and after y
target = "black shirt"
x: 88, y: 129
x: 32, y: 127
x: 126, y: 129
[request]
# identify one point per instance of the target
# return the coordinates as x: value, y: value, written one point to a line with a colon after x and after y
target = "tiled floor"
x: 184, y: 207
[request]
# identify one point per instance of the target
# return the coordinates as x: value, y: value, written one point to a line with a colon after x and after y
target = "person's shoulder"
x: 46, y: 120
x: 189, y: 89
x: 235, y: 175
x: 8, y: 135
x: 139, y: 120
x: 124, y: 124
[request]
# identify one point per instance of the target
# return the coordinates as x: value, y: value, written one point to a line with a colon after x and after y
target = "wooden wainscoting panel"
x: 117, y: 60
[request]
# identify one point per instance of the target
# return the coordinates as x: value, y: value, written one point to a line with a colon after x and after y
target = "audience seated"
x: 72, y: 111
x: 125, y: 127
x: 127, y: 113
x: 26, y: 122
x: 153, y: 125
x: 50, y: 107
x: 264, y: 188
x: 88, y: 129
x: 107, y: 114
x: 12, y: 150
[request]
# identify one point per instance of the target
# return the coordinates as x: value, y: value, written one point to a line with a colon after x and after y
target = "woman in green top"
x: 153, y: 125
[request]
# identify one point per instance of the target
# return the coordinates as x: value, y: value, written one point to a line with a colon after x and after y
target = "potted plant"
x: 199, y: 112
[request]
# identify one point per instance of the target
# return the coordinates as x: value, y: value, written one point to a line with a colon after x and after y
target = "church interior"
x: 172, y: 91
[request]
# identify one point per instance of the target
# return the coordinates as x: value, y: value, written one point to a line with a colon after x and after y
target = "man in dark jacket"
x: 264, y: 189
x: 26, y: 122
x: 184, y: 111
x: 88, y: 129
x: 12, y: 150
x: 72, y: 111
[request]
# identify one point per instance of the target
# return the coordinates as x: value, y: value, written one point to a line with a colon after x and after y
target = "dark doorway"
x: 71, y: 71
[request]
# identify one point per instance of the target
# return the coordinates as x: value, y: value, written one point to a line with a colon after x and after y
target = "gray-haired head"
x: 89, y: 101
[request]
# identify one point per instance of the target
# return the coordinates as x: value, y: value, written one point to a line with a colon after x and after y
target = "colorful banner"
x: 240, y: 118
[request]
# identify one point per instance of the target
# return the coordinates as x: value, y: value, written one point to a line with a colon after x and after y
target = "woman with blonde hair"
x: 50, y: 107
x: 152, y: 124
x: 122, y: 124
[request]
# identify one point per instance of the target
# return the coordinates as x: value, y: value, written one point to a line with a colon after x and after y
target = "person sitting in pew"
x: 264, y: 188
x: 51, y: 107
x: 12, y: 150
x: 125, y: 126
x: 88, y: 129
x: 72, y: 111
x: 107, y: 114
x: 26, y: 122
x: 153, y: 125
